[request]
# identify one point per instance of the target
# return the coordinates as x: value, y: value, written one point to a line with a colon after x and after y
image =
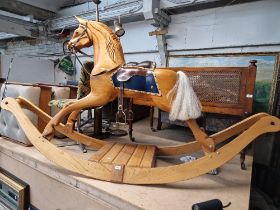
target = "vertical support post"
x: 97, y: 121
x: 162, y: 49
x: 163, y: 53
x: 160, y: 19
x: 97, y: 13
x: 130, y: 119
x: 97, y: 2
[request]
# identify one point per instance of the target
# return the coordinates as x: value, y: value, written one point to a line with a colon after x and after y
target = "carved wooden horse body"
x: 109, y: 57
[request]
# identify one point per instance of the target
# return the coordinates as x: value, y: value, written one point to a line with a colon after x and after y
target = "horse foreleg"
x: 71, y: 120
x: 89, y: 101
x: 69, y: 126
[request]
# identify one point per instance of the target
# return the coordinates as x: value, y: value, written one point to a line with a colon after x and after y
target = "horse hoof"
x: 48, y: 136
x: 48, y: 133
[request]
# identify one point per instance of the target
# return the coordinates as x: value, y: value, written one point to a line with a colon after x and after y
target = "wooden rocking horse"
x: 165, y: 88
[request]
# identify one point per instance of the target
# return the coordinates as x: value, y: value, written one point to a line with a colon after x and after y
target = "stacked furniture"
x: 40, y: 95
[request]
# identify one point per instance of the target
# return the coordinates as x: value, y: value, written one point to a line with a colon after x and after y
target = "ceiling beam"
x: 19, y: 27
x: 21, y: 8
x: 127, y: 9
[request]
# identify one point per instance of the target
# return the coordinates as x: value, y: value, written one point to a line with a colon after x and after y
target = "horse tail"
x: 185, y: 104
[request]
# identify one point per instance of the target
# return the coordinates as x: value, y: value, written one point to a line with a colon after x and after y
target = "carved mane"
x: 108, y: 52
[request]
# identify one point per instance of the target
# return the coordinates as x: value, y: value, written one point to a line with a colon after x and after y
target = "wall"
x: 31, y: 70
x: 249, y: 27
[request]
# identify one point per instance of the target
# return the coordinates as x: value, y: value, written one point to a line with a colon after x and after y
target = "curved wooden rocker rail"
x: 251, y: 128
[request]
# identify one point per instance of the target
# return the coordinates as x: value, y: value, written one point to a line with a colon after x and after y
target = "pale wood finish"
x: 149, y: 157
x: 86, y: 140
x: 137, y: 175
x: 108, y: 47
x: 126, y: 154
x: 136, y: 159
x: 182, y: 149
x: 113, y: 153
x: 100, y: 153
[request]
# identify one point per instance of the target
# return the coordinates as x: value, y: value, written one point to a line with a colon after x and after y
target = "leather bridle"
x: 75, y: 50
x: 73, y: 44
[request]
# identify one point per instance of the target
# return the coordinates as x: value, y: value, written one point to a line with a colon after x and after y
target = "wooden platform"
x: 126, y: 154
x: 121, y: 155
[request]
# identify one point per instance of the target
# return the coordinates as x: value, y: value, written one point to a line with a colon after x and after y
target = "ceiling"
x: 51, y: 5
x: 15, y: 13
x: 22, y: 18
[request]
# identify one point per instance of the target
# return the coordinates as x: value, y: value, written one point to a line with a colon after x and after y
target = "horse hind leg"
x: 90, y: 100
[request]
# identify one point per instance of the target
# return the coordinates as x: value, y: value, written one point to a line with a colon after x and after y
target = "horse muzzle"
x: 71, y: 47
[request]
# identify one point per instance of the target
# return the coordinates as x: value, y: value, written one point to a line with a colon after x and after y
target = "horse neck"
x: 108, y: 52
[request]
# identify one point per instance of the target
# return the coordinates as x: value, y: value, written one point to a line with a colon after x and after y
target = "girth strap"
x: 120, y: 113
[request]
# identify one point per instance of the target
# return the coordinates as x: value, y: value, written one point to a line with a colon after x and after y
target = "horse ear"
x: 80, y: 20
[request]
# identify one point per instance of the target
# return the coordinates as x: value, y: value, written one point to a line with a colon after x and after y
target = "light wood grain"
x: 137, y: 156
x: 149, y: 157
x: 102, y: 152
x: 125, y: 154
x: 182, y: 149
x: 113, y: 153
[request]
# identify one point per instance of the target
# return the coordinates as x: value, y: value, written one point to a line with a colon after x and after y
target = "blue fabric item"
x: 139, y: 83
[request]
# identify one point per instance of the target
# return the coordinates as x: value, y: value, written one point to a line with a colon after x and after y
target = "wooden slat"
x: 100, y: 153
x: 125, y: 154
x: 148, y: 159
x: 137, y: 156
x: 112, y: 154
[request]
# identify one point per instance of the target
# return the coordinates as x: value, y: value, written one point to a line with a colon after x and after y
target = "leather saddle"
x: 133, y: 68
x: 137, y: 77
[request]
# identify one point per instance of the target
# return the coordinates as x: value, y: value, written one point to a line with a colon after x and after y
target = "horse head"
x: 81, y: 37
x: 106, y: 45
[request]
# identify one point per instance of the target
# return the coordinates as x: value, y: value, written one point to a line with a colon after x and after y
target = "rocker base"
x: 121, y: 171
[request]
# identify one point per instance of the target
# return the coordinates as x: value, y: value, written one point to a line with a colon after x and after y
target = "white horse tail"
x: 185, y: 104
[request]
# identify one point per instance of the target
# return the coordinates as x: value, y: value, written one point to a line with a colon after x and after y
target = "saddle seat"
x: 137, y: 77
x: 133, y: 68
